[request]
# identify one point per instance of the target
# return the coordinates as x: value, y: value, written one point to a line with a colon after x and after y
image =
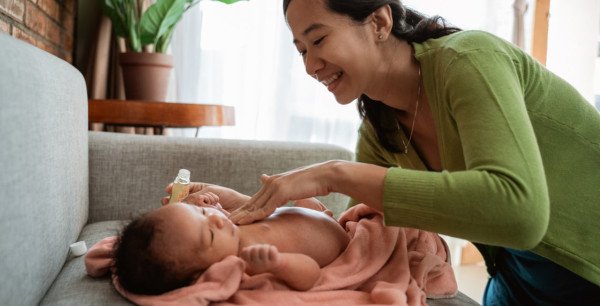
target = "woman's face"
x: 336, y: 50
x: 196, y: 236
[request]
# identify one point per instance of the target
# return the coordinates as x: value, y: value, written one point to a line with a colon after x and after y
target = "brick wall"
x: 46, y: 24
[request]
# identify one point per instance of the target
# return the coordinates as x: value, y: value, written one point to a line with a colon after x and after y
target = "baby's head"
x: 170, y: 247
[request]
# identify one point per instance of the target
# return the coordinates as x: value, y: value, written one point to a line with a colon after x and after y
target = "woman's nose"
x: 216, y: 220
x: 313, y: 64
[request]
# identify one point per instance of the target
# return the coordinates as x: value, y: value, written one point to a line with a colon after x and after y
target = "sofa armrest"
x: 129, y: 173
x: 43, y: 167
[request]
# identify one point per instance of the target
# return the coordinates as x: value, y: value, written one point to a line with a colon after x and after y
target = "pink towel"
x: 381, y: 266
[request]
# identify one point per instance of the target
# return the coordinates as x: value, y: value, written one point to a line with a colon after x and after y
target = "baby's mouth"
x: 332, y: 78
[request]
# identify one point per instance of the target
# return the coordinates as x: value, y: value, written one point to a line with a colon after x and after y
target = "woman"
x: 463, y: 134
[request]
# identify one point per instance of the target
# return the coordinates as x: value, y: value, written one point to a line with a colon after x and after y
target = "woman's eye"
x: 318, y: 41
x: 302, y: 53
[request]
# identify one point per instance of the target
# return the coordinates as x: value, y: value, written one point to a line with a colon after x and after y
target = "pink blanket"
x: 381, y: 265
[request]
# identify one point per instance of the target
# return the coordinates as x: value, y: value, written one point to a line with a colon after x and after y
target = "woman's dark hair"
x: 409, y: 25
x: 139, y: 268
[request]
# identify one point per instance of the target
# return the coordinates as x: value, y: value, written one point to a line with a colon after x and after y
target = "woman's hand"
x: 362, y: 182
x: 278, y: 189
x: 228, y: 198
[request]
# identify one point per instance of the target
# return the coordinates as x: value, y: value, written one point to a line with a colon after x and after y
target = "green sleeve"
x: 500, y: 198
x: 369, y: 151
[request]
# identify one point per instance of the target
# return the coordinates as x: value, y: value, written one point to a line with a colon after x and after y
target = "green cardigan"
x: 520, y: 149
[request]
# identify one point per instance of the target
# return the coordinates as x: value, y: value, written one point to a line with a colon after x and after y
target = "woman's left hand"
x: 277, y: 190
x: 228, y: 198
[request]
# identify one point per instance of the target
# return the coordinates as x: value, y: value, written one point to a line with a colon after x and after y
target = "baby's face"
x: 197, y: 236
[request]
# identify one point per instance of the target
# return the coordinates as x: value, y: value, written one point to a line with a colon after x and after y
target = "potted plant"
x: 146, y: 74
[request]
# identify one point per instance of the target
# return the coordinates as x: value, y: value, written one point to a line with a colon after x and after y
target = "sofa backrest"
x: 129, y: 173
x: 43, y: 168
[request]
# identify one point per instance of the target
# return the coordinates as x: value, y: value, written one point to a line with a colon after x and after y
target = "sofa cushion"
x: 73, y: 286
x: 43, y: 165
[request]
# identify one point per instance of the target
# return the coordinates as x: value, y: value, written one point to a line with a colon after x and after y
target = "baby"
x: 171, y: 246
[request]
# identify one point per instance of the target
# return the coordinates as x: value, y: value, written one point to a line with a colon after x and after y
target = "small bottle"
x: 181, y: 186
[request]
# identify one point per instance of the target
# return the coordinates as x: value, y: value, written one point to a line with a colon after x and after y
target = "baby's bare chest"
x: 314, y: 234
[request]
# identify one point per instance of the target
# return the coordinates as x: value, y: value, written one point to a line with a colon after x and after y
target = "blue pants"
x: 525, y: 278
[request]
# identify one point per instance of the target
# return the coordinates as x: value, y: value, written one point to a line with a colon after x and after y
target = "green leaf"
x: 110, y: 8
x: 159, y: 18
x: 164, y: 41
x: 191, y: 3
x: 155, y: 26
x: 230, y: 1
x: 135, y: 43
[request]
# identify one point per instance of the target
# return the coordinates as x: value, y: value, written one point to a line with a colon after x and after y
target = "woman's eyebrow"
x: 312, y: 27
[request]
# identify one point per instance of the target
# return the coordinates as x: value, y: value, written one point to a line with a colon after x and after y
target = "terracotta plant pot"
x: 146, y: 75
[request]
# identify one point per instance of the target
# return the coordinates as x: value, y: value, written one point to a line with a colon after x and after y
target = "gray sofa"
x: 62, y: 184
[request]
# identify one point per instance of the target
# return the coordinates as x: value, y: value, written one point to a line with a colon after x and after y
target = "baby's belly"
x: 307, y: 231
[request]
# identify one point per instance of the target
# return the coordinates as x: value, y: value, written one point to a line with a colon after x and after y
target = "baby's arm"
x: 314, y: 204
x: 299, y: 271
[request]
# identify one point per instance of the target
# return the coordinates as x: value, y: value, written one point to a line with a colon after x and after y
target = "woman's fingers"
x: 242, y: 217
x: 197, y: 186
x: 194, y: 187
x: 261, y: 205
x: 276, y: 191
x: 264, y: 178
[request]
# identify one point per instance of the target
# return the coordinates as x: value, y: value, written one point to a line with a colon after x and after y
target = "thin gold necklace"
x: 412, y: 128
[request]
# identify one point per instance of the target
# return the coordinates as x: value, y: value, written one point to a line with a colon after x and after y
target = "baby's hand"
x: 202, y: 199
x: 261, y: 258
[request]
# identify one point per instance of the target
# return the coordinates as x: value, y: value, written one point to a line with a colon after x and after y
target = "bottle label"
x: 179, y: 192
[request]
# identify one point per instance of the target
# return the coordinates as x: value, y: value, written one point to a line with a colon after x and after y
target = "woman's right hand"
x: 228, y: 198
x: 362, y: 182
x: 278, y: 189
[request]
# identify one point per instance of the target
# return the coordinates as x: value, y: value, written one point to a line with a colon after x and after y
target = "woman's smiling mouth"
x: 330, y: 80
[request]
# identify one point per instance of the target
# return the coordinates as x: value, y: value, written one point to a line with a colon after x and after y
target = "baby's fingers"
x: 259, y: 253
x: 202, y: 199
x: 211, y: 198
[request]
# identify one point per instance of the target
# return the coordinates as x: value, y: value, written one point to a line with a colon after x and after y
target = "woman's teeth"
x: 331, y: 79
